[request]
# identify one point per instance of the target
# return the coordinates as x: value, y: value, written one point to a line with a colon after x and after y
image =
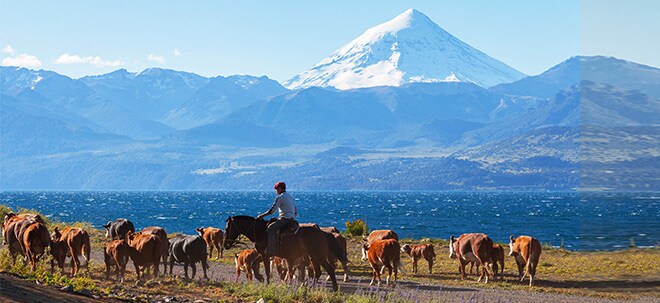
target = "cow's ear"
x: 512, y: 239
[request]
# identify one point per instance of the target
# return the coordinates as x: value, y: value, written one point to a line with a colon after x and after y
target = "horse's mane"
x: 244, y: 217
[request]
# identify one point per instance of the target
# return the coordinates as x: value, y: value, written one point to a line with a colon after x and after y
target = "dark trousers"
x: 272, y: 231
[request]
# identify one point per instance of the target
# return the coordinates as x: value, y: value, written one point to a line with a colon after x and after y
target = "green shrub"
x: 4, y: 209
x: 356, y: 228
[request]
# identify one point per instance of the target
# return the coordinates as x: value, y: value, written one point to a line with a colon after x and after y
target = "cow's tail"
x: 532, y: 261
x: 86, y: 247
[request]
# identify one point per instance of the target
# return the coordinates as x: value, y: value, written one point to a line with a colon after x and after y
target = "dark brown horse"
x: 311, y: 241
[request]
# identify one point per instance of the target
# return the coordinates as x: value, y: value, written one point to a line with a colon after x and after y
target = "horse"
x: 311, y: 241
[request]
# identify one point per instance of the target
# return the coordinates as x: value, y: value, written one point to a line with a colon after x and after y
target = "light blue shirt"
x: 285, y: 205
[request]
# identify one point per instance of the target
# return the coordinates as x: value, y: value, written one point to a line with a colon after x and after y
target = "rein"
x: 252, y: 227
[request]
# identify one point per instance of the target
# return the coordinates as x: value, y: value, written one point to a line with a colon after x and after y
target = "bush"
x: 356, y: 228
x: 4, y: 209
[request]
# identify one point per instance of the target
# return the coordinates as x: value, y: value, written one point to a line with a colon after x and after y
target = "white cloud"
x: 22, y: 60
x: 8, y: 50
x: 156, y: 58
x: 91, y: 60
x: 177, y: 52
x: 69, y: 59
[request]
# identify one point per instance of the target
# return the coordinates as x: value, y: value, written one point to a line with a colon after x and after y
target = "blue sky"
x: 283, y: 38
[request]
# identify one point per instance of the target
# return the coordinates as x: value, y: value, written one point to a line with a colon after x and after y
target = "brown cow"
x: 144, y: 250
x: 472, y: 248
x: 419, y: 251
x: 382, y: 234
x: 248, y: 260
x: 35, y: 240
x: 527, y: 252
x: 213, y: 238
x: 116, y: 254
x: 164, y: 242
x: 384, y: 253
x: 72, y: 242
x: 497, y: 257
x: 14, y: 225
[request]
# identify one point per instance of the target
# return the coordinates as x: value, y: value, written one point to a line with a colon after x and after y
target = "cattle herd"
x: 27, y: 235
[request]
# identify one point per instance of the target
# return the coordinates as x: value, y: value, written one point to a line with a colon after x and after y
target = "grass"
x: 621, y: 274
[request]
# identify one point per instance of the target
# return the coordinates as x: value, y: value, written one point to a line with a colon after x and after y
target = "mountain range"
x: 588, y: 123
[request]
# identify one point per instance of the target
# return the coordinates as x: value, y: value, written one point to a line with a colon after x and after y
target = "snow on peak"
x: 409, y: 48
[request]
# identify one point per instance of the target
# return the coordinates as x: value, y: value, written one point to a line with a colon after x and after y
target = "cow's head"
x: 512, y: 243
x: 365, y: 248
x: 6, y: 219
x: 56, y: 235
x: 452, y: 252
x: 406, y: 248
x: 200, y: 231
x: 130, y: 236
x: 107, y: 229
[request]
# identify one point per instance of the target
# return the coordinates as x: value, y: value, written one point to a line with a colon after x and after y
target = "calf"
x: 213, y: 237
x: 35, y: 240
x: 527, y: 252
x: 144, y: 250
x: 164, y: 242
x: 497, y: 256
x: 248, y: 260
x: 419, y: 251
x: 384, y: 253
x: 116, y: 254
x: 280, y: 266
x: 472, y: 248
x: 188, y: 250
x: 72, y: 242
x: 375, y: 235
x: 118, y: 229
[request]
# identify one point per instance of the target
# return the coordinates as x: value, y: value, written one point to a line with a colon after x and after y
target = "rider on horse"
x: 287, y: 210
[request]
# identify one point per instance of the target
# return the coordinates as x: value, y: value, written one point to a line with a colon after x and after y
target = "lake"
x: 585, y: 221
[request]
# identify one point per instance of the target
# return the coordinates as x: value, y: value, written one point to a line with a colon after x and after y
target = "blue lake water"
x: 585, y: 221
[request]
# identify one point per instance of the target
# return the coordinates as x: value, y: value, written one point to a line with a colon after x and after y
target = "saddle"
x: 291, y: 228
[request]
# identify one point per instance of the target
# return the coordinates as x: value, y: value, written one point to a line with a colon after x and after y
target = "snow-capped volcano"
x: 409, y: 48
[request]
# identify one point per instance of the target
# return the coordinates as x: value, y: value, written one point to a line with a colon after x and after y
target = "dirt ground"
x: 442, y: 286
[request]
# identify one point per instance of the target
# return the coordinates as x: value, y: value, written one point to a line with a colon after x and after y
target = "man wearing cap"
x: 287, y: 212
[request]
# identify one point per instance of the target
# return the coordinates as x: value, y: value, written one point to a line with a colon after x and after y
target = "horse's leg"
x: 317, y: 272
x: 430, y: 260
x: 266, y: 260
x: 331, y: 271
